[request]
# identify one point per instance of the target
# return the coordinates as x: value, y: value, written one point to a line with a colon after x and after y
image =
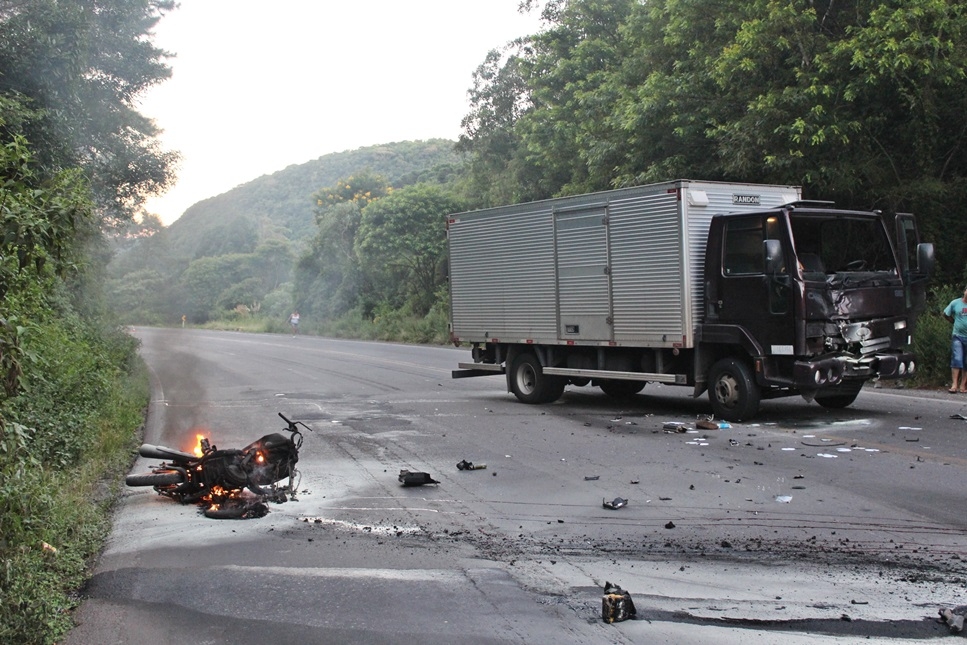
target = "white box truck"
x: 743, y: 290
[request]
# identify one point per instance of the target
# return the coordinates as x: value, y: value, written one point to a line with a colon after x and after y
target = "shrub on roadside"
x: 71, y: 429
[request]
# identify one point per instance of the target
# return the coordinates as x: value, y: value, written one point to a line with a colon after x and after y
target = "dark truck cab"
x: 819, y: 300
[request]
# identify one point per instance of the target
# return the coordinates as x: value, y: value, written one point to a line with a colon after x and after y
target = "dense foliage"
x: 75, y: 156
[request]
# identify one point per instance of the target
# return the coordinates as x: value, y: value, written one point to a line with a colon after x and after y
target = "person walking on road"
x: 956, y: 312
x: 294, y: 322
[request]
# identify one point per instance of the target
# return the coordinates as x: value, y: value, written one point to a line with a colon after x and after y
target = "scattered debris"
x: 615, y: 504
x: 241, y: 508
x: 674, y: 426
x: 709, y: 424
x: 955, y: 621
x: 958, y: 416
x: 823, y: 443
x: 592, y: 478
x: 635, y: 481
x: 783, y: 499
x: 616, y: 604
x: 48, y: 548
x: 469, y: 465
x: 410, y: 478
x: 670, y: 525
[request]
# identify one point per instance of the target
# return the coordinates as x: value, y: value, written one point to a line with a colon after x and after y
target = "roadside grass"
x: 390, y: 325
x: 55, y: 508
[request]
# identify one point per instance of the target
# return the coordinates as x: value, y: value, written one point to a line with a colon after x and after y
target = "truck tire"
x: 621, y: 389
x: 840, y: 396
x: 530, y: 385
x: 732, y: 390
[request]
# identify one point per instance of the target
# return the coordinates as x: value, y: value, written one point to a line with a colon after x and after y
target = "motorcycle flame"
x: 199, y: 439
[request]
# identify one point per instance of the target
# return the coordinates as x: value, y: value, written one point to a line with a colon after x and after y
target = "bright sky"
x: 258, y: 86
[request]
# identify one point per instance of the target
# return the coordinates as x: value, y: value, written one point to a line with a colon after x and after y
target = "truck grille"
x: 873, y: 345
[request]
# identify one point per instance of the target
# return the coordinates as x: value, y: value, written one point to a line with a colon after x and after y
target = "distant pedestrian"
x: 956, y: 312
x: 294, y: 322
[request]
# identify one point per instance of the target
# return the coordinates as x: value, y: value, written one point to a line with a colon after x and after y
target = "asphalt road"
x: 804, y: 526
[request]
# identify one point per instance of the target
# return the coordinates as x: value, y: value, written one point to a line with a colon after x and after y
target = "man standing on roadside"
x: 956, y: 312
x: 294, y: 322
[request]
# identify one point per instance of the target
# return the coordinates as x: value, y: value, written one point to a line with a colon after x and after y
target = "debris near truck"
x: 741, y: 290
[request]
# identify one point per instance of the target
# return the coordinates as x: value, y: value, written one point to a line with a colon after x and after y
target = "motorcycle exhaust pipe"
x: 163, y: 452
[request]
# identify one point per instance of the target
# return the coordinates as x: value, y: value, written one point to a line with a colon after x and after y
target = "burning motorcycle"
x: 220, y: 478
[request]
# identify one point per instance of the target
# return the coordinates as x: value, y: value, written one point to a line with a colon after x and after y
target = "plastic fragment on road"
x: 825, y: 455
x: 616, y: 604
x: 410, y: 478
x: 958, y: 416
x: 783, y: 499
x: 469, y: 465
x: 674, y: 426
x: 615, y: 504
x: 955, y: 621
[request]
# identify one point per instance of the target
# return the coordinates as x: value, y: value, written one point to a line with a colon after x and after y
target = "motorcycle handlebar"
x: 293, y: 425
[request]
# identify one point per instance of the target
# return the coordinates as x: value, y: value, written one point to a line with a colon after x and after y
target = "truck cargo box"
x: 614, y: 268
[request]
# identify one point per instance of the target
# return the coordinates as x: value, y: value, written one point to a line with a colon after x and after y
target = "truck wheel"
x: 733, y: 391
x: 621, y: 389
x: 840, y: 396
x: 530, y: 385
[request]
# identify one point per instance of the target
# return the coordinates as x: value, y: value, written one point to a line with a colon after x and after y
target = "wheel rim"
x: 727, y: 390
x: 526, y: 379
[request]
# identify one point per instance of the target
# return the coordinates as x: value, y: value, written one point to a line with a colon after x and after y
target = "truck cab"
x: 807, y: 299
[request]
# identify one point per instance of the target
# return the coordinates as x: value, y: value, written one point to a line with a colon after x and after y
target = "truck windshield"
x: 841, y: 244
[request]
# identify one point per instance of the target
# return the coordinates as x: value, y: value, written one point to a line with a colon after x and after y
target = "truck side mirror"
x: 925, y: 259
x: 774, y: 261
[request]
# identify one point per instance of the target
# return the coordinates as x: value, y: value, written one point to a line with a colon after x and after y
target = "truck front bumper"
x: 831, y: 370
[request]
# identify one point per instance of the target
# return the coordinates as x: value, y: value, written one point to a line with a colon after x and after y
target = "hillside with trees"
x: 236, y: 252
x: 859, y: 102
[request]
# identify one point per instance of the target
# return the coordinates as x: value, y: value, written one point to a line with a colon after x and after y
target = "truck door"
x: 748, y: 297
x: 583, y: 276
x: 914, y: 277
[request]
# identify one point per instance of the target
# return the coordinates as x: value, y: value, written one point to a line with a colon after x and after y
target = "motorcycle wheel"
x: 168, y: 478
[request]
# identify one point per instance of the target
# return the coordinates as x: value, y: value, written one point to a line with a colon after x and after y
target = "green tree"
x: 401, y: 244
x: 327, y: 273
x: 205, y: 279
x: 82, y: 66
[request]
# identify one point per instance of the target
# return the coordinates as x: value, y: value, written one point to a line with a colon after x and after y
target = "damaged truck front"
x: 742, y: 290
